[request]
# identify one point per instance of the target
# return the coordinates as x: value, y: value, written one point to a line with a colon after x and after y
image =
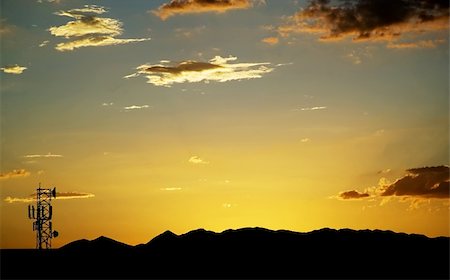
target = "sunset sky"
x: 157, y: 115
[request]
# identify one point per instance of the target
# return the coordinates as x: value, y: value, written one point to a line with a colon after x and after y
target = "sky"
x: 176, y: 115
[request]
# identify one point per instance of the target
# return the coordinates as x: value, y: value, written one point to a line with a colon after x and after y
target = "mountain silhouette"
x: 241, y: 253
x: 100, y: 244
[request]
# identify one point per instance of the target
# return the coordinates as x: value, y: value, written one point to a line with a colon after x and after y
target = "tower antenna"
x: 42, y: 216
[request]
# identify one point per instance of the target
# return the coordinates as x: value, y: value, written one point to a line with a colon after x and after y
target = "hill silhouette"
x: 241, y: 253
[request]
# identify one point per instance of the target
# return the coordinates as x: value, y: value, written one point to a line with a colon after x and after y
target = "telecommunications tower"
x: 42, y: 215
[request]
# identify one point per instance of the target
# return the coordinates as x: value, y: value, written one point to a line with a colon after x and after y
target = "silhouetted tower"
x: 42, y: 215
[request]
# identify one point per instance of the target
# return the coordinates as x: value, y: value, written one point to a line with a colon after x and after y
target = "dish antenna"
x: 42, y: 215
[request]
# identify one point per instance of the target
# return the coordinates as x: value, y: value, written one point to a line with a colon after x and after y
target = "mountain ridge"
x: 170, y: 234
x: 251, y: 252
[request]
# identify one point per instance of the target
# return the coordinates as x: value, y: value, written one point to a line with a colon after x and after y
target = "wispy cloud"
x: 13, y: 69
x: 171, y: 189
x: 73, y: 195
x: 106, y: 104
x: 59, y: 196
x: 270, y: 40
x: 10, y: 199
x: 16, y: 173
x: 97, y: 41
x: 43, y: 44
x: 180, y: 7
x: 136, y: 107
x: 384, y: 171
x: 197, y: 160
x: 50, y: 1
x: 305, y: 140
x: 49, y: 155
x: 311, y: 108
x: 423, y: 44
x: 89, y: 29
x: 364, y: 20
x: 218, y: 69
x: 190, y: 32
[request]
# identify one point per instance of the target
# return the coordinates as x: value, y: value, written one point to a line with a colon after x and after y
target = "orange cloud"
x: 364, y: 20
x: 179, y: 7
x: 16, y: 173
x: 270, y: 40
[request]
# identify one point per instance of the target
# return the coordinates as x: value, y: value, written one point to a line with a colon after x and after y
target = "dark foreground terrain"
x: 242, y: 253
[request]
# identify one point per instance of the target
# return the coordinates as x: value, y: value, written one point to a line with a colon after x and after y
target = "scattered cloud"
x: 379, y: 132
x: 59, y: 196
x: 353, y: 195
x: 270, y: 40
x: 197, y: 160
x: 355, y: 58
x: 359, y: 54
x: 190, y: 32
x: 366, y: 20
x: 171, y: 189
x: 423, y: 44
x: 89, y: 29
x: 43, y: 44
x: 136, y: 107
x: 218, y: 69
x: 304, y: 140
x: 49, y: 155
x: 426, y: 182
x: 13, y: 69
x: 5, y: 28
x: 384, y: 171
x: 180, y: 7
x: 106, y: 104
x: 16, y: 173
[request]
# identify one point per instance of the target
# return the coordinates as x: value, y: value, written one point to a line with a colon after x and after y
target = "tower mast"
x: 42, y: 216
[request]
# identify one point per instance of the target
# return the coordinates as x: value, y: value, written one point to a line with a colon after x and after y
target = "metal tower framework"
x: 42, y: 215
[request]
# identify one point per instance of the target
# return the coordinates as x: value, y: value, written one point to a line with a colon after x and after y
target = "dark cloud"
x: 353, y: 195
x: 182, y: 67
x: 369, y: 19
x: 175, y: 7
x: 427, y: 182
x: 218, y: 69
